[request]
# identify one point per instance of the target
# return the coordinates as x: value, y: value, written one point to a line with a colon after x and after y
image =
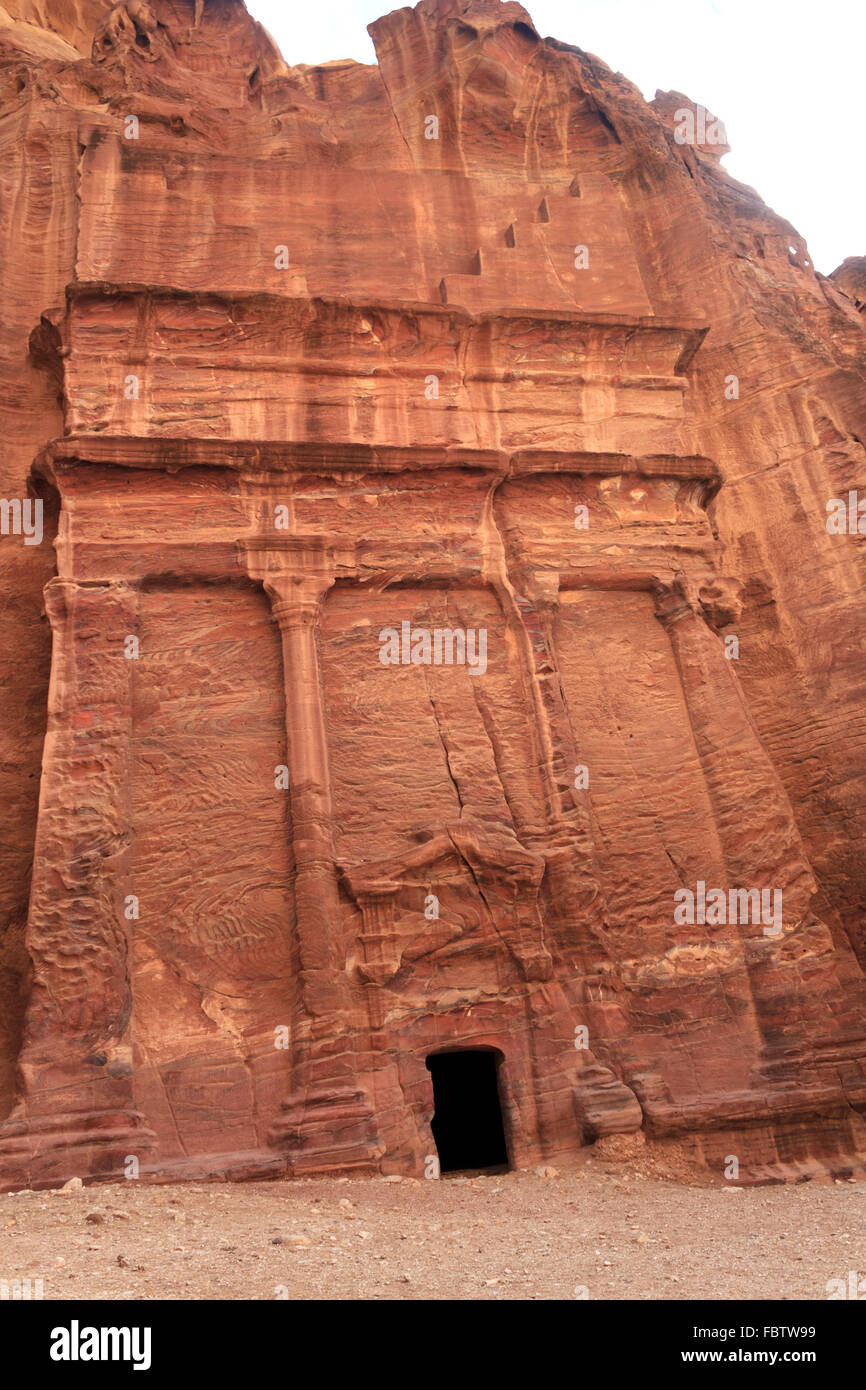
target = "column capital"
x: 297, y: 570
x: 672, y: 600
x: 714, y: 598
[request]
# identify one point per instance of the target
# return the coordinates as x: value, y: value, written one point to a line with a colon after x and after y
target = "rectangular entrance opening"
x: 467, y: 1123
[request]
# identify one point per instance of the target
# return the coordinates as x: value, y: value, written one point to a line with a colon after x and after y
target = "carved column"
x: 576, y: 903
x: 77, y: 1113
x: 379, y: 943
x: 759, y: 836
x: 328, y: 1118
x: 753, y: 814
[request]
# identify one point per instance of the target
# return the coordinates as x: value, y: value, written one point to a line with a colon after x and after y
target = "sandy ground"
x: 543, y: 1234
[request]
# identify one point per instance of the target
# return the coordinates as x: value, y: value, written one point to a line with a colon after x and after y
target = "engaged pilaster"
x: 328, y: 1118
x: 78, y: 1112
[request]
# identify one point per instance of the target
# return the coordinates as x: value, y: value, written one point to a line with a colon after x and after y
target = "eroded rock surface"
x: 442, y: 457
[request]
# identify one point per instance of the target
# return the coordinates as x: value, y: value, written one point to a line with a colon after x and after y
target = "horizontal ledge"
x: 748, y: 1108
x: 257, y: 457
x: 79, y: 290
x: 158, y: 563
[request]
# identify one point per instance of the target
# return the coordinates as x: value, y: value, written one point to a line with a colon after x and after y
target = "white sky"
x: 787, y: 77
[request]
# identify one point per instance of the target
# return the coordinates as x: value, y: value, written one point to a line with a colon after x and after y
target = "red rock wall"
x: 212, y: 867
x: 293, y: 374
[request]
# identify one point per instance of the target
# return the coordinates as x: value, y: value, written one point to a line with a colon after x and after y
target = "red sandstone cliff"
x: 427, y: 308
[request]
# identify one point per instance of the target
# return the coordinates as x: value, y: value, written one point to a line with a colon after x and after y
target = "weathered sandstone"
x: 465, y: 342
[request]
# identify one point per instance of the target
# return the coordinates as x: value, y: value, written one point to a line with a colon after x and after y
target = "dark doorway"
x: 467, y: 1124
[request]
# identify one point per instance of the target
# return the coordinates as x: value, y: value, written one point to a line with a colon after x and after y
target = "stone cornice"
x: 258, y: 457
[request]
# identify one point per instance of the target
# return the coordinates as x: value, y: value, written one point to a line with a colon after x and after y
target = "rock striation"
x: 454, y: 613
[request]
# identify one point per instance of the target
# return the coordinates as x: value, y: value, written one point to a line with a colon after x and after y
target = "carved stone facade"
x: 274, y: 873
